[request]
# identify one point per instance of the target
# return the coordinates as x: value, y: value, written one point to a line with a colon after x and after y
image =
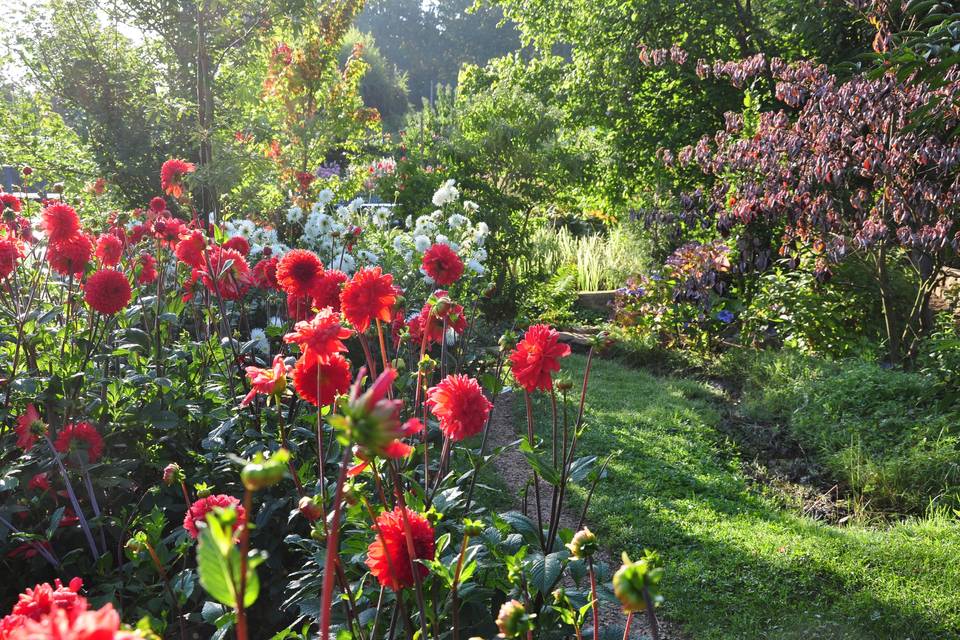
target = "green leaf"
x: 218, y: 564
x: 54, y: 522
x: 9, y: 482
x: 541, y: 466
x: 545, y: 570
x: 522, y: 525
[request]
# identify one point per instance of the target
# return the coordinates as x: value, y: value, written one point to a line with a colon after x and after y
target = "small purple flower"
x: 725, y: 316
x: 325, y: 171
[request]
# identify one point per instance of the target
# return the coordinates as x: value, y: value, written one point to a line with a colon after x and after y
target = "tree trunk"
x: 208, y: 200
x: 888, y: 304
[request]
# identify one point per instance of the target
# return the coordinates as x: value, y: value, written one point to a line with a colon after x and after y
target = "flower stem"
x: 536, y: 480
x: 626, y: 628
x: 383, y: 348
x: 411, y: 551
x: 453, y: 590
x: 651, y: 615
x: 333, y: 539
x: 73, y: 501
x: 593, y: 596
x: 244, y: 551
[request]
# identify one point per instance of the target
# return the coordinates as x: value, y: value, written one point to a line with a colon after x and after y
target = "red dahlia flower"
x: 369, y: 295
x: 299, y: 272
x: 269, y: 382
x: 387, y: 556
x: 197, y: 513
x: 189, y: 249
x: 37, y: 603
x: 265, y: 274
x: 79, y: 624
x: 327, y: 292
x: 10, y: 254
x: 442, y: 263
x: 321, y: 337
x: 169, y: 230
x: 107, y: 291
x: 238, y: 244
x: 20, y: 228
x: 305, y: 178
x: 171, y: 176
x: 437, y: 311
x: 537, y: 357
x: 319, y: 383
x: 83, y: 433
x: 158, y: 204
x: 39, y: 482
x: 70, y: 255
x: 29, y: 428
x: 9, y: 200
x: 232, y: 282
x: 60, y: 221
x: 148, y: 269
x: 458, y: 402
x: 109, y: 249
x: 138, y: 232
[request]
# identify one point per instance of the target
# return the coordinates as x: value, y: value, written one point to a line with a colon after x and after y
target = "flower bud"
x: 351, y: 496
x: 472, y: 528
x: 426, y: 365
x: 513, y: 620
x: 633, y: 579
x: 317, y: 533
x: 310, y: 508
x: 136, y: 545
x: 172, y: 473
x: 564, y: 384
x: 203, y: 491
x: 261, y: 472
x: 27, y: 170
x: 584, y: 544
x: 433, y: 516
x: 442, y: 307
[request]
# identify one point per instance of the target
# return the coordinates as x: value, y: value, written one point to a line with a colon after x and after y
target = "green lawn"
x: 739, y: 566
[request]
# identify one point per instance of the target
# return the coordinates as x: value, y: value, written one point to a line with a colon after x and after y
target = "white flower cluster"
x: 358, y: 234
x: 258, y: 237
x: 446, y: 194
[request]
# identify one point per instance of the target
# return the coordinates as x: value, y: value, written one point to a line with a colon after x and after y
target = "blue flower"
x: 725, y: 316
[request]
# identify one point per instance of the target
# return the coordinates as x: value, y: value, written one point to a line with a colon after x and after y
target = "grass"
x: 738, y: 565
x: 891, y: 437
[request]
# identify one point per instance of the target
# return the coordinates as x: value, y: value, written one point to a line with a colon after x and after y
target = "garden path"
x: 514, y: 471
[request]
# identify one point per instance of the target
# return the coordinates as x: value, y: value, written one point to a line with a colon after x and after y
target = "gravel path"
x: 513, y: 469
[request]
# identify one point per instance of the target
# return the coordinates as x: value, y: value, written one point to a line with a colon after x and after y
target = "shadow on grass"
x: 737, y: 565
